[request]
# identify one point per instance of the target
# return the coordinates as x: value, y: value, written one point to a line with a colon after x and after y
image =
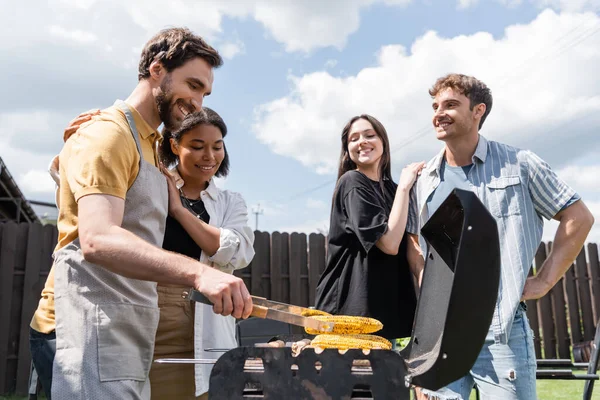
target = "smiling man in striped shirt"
x: 519, y: 189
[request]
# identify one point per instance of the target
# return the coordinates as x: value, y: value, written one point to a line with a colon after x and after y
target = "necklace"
x: 190, y: 204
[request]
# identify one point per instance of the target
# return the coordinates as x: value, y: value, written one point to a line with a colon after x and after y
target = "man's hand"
x: 105, y: 243
x: 228, y: 293
x: 535, y: 288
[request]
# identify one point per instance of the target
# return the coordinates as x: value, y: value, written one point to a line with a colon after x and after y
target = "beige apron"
x: 106, y: 323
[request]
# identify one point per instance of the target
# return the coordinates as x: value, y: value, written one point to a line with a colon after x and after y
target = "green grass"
x: 561, y: 390
x: 547, y: 390
x: 564, y: 390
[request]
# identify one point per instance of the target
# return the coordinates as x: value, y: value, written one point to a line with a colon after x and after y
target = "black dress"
x: 360, y: 279
x: 176, y: 237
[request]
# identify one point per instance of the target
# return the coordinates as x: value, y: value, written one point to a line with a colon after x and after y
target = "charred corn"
x: 347, y: 325
x: 312, y: 312
x: 328, y: 341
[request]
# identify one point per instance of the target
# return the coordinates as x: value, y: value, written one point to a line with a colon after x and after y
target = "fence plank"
x: 12, y: 261
x: 297, y: 265
x: 19, y: 331
x: 532, y: 316
x: 560, y: 320
x: 316, y: 263
x: 276, y: 267
x: 594, y: 272
x: 304, y: 276
x: 585, y: 298
x: 49, y: 244
x: 8, y: 239
x: 50, y: 240
x: 545, y: 311
x: 285, y: 285
x: 573, y: 305
x: 245, y: 274
x: 259, y: 278
x: 33, y: 261
x: 285, y: 267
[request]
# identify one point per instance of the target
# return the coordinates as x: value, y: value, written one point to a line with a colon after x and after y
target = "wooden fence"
x: 286, y: 268
x: 25, y: 259
x: 568, y: 314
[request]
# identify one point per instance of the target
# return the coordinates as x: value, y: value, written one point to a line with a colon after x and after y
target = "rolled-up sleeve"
x: 549, y: 193
x: 236, y: 248
x: 412, y: 221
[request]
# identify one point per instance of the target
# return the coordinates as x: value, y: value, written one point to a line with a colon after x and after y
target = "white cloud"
x: 82, y: 4
x: 331, y: 63
x: 315, y: 204
x: 68, y: 47
x: 298, y: 25
x: 511, y: 3
x: 570, y: 5
x: 269, y: 209
x: 560, y: 5
x: 36, y: 181
x: 38, y: 131
x: 231, y: 49
x: 308, y: 227
x: 594, y: 235
x: 29, y: 141
x: 76, y: 35
x: 537, y: 96
x: 583, y: 175
x: 304, y: 26
x: 582, y: 178
x: 463, y: 4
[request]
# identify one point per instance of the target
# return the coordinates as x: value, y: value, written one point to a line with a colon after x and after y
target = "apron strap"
x: 136, y: 136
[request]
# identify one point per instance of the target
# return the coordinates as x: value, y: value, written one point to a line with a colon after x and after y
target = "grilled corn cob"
x: 344, y: 324
x: 328, y: 341
x: 312, y: 312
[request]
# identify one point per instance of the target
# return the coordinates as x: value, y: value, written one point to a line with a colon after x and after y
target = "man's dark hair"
x: 173, y: 47
x: 470, y: 87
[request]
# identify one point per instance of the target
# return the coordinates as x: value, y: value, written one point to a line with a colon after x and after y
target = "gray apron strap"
x: 136, y: 136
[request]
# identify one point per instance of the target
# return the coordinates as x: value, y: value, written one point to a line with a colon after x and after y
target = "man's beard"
x: 164, y: 102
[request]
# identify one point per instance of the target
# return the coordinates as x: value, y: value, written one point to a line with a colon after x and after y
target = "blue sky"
x: 295, y: 72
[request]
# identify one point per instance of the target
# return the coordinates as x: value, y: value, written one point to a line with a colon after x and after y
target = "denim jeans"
x: 501, y: 371
x: 43, y: 348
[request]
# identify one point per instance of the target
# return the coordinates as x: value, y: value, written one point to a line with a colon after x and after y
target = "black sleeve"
x: 367, y: 219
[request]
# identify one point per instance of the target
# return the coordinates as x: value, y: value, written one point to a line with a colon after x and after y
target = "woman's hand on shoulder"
x: 78, y: 121
x: 409, y: 175
x: 175, y: 205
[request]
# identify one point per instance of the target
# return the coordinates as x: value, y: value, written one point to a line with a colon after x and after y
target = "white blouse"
x: 228, y: 212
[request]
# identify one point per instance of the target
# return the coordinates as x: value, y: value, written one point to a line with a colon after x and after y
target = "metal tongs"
x: 263, y: 308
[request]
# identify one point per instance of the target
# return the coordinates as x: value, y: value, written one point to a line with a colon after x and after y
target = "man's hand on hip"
x: 535, y: 287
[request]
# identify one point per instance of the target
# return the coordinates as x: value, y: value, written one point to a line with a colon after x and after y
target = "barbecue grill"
x: 454, y: 312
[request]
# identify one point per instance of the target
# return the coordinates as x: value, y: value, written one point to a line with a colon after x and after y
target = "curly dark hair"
x: 470, y: 87
x: 205, y: 116
x: 173, y: 47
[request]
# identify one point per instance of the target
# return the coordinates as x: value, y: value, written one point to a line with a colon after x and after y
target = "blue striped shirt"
x: 518, y: 188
